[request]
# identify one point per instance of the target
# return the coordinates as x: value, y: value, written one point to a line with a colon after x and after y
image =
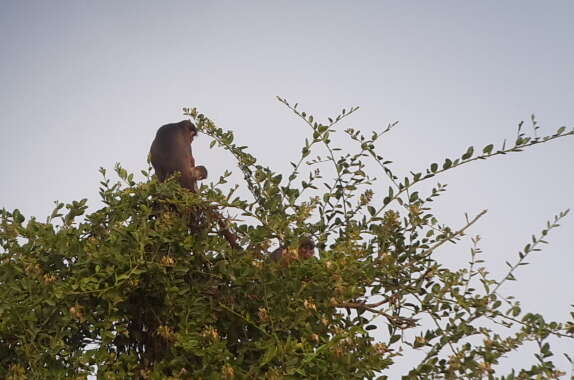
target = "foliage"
x: 147, y: 286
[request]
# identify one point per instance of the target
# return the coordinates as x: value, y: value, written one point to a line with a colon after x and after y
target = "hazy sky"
x: 85, y: 84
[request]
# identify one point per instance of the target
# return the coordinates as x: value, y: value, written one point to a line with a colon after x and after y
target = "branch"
x: 395, y: 320
x: 457, y: 233
x: 522, y: 142
x: 231, y: 237
x: 532, y: 247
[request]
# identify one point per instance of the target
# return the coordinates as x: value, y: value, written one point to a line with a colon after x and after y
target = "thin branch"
x: 531, y: 248
x: 456, y: 234
x: 395, y: 320
x: 516, y: 148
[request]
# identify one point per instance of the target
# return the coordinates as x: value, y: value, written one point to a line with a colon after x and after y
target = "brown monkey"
x: 305, y: 251
x: 171, y: 152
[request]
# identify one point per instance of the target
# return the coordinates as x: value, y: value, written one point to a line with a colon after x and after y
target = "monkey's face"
x: 306, y: 249
x: 192, y: 133
x: 199, y: 173
x: 306, y: 253
x: 190, y: 128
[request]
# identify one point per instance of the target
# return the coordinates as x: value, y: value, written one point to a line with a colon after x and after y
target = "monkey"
x: 305, y: 251
x: 170, y: 152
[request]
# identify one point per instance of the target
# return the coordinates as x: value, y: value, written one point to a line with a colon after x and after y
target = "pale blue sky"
x: 85, y: 84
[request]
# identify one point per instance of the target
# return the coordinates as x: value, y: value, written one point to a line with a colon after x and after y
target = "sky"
x: 86, y: 84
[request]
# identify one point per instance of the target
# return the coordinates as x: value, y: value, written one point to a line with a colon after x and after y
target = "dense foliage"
x: 147, y: 287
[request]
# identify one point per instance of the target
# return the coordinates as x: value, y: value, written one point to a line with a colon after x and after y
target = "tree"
x: 148, y: 287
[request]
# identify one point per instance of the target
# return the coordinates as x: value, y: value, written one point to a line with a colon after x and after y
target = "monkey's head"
x: 199, y: 172
x: 191, y: 128
x: 306, y: 248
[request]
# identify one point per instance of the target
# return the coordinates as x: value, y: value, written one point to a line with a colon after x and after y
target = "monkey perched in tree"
x: 305, y: 251
x: 171, y: 152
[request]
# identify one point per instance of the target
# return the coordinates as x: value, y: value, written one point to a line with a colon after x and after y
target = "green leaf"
x: 469, y: 153
x: 488, y: 149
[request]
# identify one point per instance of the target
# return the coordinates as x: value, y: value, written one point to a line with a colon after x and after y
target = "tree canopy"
x: 149, y: 287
